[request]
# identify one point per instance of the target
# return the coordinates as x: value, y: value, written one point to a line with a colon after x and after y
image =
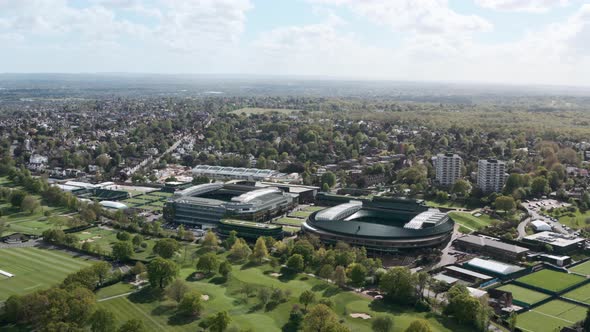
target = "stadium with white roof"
x: 381, y: 224
x: 207, y: 204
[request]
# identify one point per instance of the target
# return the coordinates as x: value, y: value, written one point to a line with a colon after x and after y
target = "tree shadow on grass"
x: 332, y: 290
x: 178, y: 319
x: 255, y: 308
x: 147, y: 295
x: 249, y: 265
x: 218, y: 280
x: 164, y: 309
x: 287, y: 275
x: 319, y: 287
x: 384, y: 306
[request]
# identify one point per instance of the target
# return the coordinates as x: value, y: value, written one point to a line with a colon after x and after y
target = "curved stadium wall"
x: 381, y: 229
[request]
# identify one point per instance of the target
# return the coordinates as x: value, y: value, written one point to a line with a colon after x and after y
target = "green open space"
x: 313, y: 208
x: 160, y: 193
x: 32, y: 223
x: 583, y: 268
x: 469, y: 221
x: 550, y: 316
x: 290, y: 221
x: 300, y: 214
x: 575, y: 219
x: 225, y: 295
x: 134, y: 201
x: 523, y: 294
x: 550, y: 280
x: 106, y: 238
x: 581, y: 294
x: 35, y: 269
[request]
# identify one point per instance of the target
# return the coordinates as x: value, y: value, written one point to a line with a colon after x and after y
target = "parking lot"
x: 537, y: 208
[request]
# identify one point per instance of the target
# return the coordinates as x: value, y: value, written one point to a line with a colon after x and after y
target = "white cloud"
x: 534, y: 6
x: 419, y: 16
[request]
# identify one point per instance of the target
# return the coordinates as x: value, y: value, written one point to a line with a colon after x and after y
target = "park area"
x: 35, y: 269
x: 524, y: 295
x: 246, y: 312
x: 471, y: 222
x: 550, y: 280
x: 583, y: 268
x: 106, y: 238
x: 550, y: 316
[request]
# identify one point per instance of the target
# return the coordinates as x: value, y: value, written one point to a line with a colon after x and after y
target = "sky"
x: 543, y: 42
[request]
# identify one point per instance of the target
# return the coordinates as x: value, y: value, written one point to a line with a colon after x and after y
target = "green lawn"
x: 550, y: 316
x: 313, y: 208
x: 32, y: 223
x: 106, y: 238
x: 114, y: 290
x: 35, y: 269
x: 469, y: 221
x: 581, y: 294
x: 583, y: 268
x: 245, y: 312
x: 290, y: 221
x: 300, y: 214
x: 551, y: 280
x: 523, y: 294
x: 577, y: 221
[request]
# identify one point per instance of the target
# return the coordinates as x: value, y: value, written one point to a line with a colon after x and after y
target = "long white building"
x: 448, y: 168
x: 491, y: 175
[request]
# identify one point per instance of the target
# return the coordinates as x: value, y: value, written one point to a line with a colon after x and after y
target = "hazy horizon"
x: 516, y: 42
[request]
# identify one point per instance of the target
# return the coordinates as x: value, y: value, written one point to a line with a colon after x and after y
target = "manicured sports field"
x: 35, y: 269
x: 550, y: 316
x: 551, y: 280
x: 524, y: 295
x: 581, y: 294
x: 246, y: 313
x: 583, y: 268
x: 470, y: 221
x: 290, y: 221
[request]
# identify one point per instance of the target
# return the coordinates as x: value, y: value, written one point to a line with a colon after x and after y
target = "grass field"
x: 581, y: 294
x: 550, y: 316
x: 153, y: 201
x: 551, y: 280
x: 245, y: 312
x: 32, y: 223
x: 35, y: 269
x: 300, y: 214
x: 290, y: 221
x: 470, y: 221
x: 524, y: 295
x: 256, y: 110
x: 583, y: 268
x: 313, y: 208
x: 577, y: 221
x: 107, y: 237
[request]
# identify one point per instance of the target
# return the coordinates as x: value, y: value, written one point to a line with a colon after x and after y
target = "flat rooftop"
x: 493, y: 266
x: 555, y: 239
x: 486, y: 241
x: 468, y: 272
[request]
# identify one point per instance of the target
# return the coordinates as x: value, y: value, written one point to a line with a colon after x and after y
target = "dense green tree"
x: 218, y: 322
x: 398, y: 284
x: 296, y: 262
x: 132, y: 325
x: 382, y: 324
x: 210, y: 241
x: 208, y: 263
x: 122, y: 250
x: 177, y: 290
x: 225, y: 268
x: 191, y: 304
x: 419, y: 325
x: 357, y: 273
x: 505, y: 203
x: 260, y: 251
x: 166, y: 248
x: 102, y: 320
x: 161, y: 272
x: 306, y: 298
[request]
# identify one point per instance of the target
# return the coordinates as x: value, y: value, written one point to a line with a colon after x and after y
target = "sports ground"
x: 550, y: 280
x: 153, y: 201
x: 581, y: 294
x: 583, y: 268
x: 523, y: 294
x: 35, y: 269
x: 550, y: 316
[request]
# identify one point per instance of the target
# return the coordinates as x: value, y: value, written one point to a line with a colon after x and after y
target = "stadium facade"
x: 381, y: 224
x: 206, y: 205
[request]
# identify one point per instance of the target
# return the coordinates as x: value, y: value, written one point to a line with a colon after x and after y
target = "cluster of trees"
x: 466, y: 309
x: 70, y: 306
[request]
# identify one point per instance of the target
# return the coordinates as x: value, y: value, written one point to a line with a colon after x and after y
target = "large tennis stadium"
x: 381, y: 224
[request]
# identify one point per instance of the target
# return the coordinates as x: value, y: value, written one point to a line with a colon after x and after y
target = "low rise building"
x: 491, y: 246
x: 560, y: 243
